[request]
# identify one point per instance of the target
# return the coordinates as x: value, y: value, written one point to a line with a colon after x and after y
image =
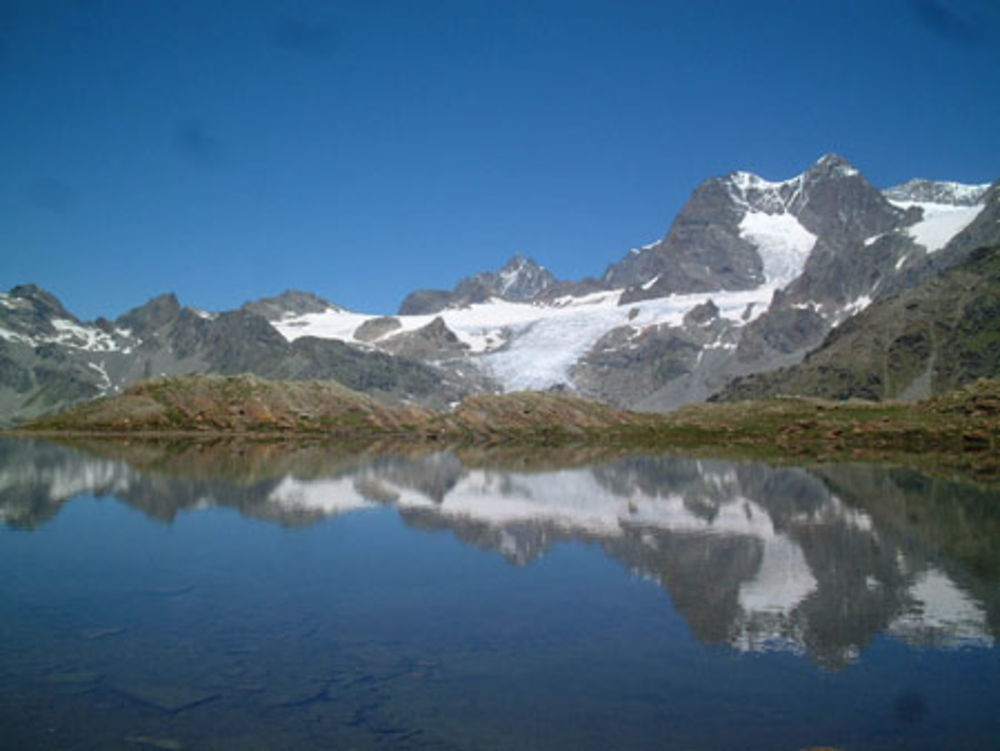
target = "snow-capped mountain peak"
x: 938, y: 192
x: 769, y: 224
x: 834, y: 165
x: 754, y: 193
x: 522, y: 278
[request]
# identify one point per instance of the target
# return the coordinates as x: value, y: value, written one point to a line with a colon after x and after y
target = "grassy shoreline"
x: 960, y: 428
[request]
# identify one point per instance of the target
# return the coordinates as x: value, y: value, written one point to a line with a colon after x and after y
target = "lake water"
x: 270, y: 597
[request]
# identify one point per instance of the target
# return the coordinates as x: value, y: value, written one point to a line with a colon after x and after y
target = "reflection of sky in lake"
x: 336, y: 569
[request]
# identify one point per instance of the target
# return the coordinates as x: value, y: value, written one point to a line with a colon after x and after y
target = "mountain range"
x: 752, y: 276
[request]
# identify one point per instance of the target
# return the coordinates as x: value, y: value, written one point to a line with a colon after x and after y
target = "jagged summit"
x: 151, y: 315
x: 833, y: 165
x: 43, y: 303
x: 522, y: 278
x: 519, y: 280
x: 776, y: 196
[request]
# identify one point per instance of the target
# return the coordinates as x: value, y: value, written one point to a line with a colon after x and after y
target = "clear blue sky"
x: 226, y: 150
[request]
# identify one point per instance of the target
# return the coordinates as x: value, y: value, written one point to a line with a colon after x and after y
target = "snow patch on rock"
x: 782, y: 242
x: 940, y: 223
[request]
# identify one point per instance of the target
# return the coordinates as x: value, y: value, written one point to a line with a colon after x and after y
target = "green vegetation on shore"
x: 961, y: 427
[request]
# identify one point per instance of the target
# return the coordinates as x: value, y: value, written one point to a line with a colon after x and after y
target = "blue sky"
x: 227, y: 150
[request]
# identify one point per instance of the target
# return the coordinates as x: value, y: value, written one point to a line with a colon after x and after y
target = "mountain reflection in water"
x: 757, y: 557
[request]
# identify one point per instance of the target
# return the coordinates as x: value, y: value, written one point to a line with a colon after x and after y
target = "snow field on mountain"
x: 782, y: 242
x: 534, y: 346
x: 941, y: 222
x: 542, y: 353
x: 68, y: 334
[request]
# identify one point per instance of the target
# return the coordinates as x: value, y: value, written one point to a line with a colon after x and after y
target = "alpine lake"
x: 252, y: 595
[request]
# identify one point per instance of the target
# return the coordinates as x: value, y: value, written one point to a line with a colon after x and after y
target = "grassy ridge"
x: 962, y: 426
x: 959, y: 427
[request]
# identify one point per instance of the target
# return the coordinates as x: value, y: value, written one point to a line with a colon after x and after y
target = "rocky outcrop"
x: 432, y: 342
x: 376, y: 328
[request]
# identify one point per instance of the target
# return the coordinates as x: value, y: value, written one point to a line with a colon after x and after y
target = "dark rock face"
x: 838, y: 204
x: 702, y: 314
x: 702, y: 252
x: 238, y: 342
x: 520, y: 280
x: 570, y: 289
x: 626, y: 362
x: 785, y: 331
x: 151, y: 316
x: 378, y: 373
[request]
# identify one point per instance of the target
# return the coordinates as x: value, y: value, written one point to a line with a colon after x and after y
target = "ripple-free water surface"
x: 163, y: 597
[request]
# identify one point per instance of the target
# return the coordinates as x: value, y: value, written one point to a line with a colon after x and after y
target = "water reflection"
x: 760, y: 558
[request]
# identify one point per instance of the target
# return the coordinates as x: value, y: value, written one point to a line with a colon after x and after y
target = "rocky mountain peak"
x: 519, y: 280
x: 832, y: 166
x: 152, y: 315
x: 44, y: 304
x: 289, y: 302
x: 838, y: 204
x: 704, y: 250
x: 28, y: 311
x: 522, y: 279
